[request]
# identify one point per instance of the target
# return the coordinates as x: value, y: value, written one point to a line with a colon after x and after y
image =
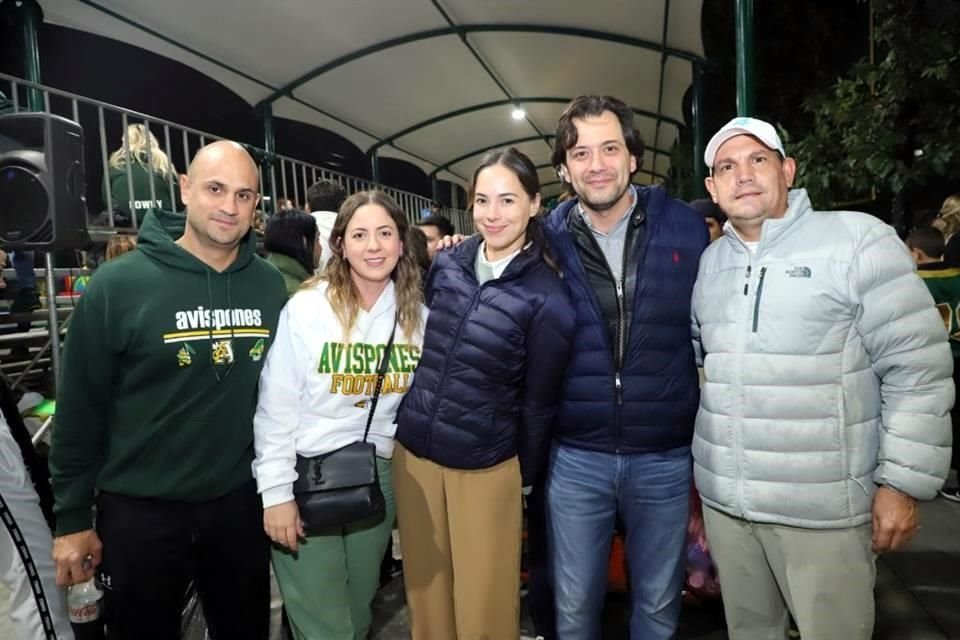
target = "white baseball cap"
x: 762, y: 131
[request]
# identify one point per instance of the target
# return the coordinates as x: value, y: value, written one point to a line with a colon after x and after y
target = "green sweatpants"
x: 328, y: 585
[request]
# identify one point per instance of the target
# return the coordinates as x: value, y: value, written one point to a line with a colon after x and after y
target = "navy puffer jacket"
x: 656, y: 408
x: 489, y: 377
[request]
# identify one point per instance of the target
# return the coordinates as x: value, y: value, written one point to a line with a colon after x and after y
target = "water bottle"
x: 83, y: 601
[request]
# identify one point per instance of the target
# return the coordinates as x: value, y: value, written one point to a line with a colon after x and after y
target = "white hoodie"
x: 325, y: 220
x: 315, y: 390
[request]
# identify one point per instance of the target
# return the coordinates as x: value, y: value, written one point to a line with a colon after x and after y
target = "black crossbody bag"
x: 341, y: 487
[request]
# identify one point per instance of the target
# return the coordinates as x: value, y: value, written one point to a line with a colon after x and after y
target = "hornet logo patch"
x: 185, y: 355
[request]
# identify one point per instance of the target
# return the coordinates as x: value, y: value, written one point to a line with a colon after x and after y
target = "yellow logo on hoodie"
x: 185, y: 355
x: 222, y: 352
x: 353, y: 367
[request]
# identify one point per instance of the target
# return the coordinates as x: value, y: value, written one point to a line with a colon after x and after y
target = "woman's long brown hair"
x: 342, y: 292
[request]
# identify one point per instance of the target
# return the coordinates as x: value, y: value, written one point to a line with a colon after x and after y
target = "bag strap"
x: 381, y: 371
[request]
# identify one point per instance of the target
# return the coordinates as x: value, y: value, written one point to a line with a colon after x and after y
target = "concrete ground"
x: 918, y: 594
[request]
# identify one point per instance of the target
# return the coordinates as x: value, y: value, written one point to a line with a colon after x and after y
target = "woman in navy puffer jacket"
x: 475, y: 425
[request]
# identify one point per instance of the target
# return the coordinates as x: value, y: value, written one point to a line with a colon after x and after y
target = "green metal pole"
x: 746, y: 88
x: 30, y: 19
x: 698, y: 166
x: 269, y: 141
x: 374, y: 166
x: 270, y: 146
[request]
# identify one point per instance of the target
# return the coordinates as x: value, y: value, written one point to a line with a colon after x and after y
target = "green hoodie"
x: 293, y: 272
x: 140, y: 178
x: 149, y: 405
x: 944, y: 285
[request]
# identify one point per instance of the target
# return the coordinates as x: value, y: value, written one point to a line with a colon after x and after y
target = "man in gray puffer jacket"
x: 824, y: 414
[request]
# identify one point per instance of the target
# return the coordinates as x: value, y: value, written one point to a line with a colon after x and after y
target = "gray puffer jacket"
x: 827, y: 372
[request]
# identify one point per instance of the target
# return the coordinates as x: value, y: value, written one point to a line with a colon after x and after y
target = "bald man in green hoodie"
x: 155, y: 415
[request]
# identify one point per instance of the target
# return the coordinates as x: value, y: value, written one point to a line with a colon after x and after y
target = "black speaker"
x: 42, y: 201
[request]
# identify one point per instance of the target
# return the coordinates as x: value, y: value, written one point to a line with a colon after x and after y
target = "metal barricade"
x: 165, y: 144
x: 121, y: 145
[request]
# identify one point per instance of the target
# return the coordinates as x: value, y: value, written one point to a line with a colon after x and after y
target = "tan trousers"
x: 824, y: 577
x: 460, y: 535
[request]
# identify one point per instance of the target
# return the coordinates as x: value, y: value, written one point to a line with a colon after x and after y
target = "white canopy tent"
x: 432, y: 82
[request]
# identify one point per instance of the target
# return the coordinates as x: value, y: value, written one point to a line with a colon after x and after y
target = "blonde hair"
x: 950, y: 215
x: 342, y: 292
x: 138, y: 140
x: 120, y: 244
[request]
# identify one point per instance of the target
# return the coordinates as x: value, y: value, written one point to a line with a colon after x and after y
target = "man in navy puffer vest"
x: 630, y: 394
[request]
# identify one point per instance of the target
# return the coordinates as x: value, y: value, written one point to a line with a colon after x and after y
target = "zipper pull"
x: 746, y: 284
x: 619, y: 386
x: 619, y: 290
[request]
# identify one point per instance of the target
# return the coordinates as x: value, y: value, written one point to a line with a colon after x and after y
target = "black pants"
x: 539, y: 584
x: 153, y: 548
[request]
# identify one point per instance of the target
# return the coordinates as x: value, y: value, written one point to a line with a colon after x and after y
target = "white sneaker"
x: 953, y: 495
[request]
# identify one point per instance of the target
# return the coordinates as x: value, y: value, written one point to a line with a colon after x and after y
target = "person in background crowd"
x: 629, y: 255
x: 712, y: 216
x: 120, y: 244
x: 315, y: 396
x: 927, y: 247
x: 259, y: 223
x: 435, y: 227
x: 293, y: 246
x: 825, y: 408
x: 434, y: 209
x: 136, y: 167
x: 324, y: 198
x: 475, y: 428
x: 948, y: 221
x: 155, y: 415
x: 421, y: 253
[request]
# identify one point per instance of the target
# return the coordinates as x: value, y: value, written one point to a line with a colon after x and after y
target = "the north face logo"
x: 799, y: 272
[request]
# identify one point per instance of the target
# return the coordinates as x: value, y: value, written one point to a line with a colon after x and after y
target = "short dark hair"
x: 325, y: 195
x: 709, y: 209
x: 594, y: 106
x: 927, y: 239
x: 293, y: 234
x: 518, y: 163
x: 442, y: 223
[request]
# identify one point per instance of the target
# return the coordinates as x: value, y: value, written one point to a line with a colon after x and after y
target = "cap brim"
x: 710, y: 154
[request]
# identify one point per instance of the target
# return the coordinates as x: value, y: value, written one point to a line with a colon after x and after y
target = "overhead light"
x: 518, y: 114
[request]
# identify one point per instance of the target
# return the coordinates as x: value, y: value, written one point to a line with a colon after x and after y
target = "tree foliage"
x: 799, y: 48
x: 894, y: 124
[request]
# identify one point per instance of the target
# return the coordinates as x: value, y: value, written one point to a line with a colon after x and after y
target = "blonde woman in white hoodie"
x: 315, y: 393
